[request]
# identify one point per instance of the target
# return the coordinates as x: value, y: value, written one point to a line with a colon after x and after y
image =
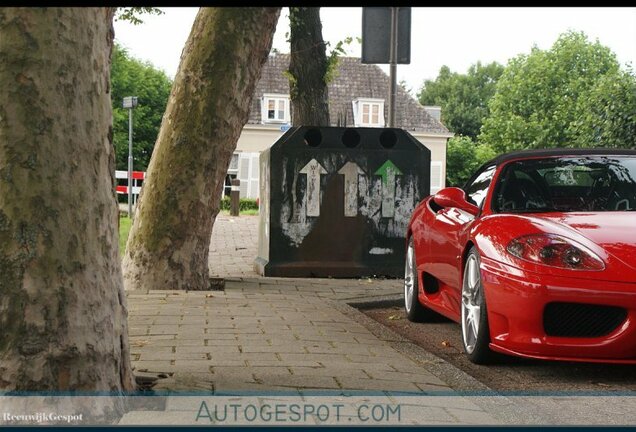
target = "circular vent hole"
x: 351, y: 138
x: 388, y: 138
x: 313, y: 137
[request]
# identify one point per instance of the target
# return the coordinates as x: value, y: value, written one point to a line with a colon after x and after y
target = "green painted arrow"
x: 388, y: 171
x: 385, y: 170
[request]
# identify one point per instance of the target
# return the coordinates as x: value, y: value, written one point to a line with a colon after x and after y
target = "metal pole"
x: 393, y: 60
x: 130, y: 162
x: 235, y: 197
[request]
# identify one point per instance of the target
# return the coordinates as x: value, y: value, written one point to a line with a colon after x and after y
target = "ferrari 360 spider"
x: 535, y: 256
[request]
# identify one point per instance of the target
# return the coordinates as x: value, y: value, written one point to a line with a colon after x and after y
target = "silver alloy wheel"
x: 471, y: 303
x: 409, y: 278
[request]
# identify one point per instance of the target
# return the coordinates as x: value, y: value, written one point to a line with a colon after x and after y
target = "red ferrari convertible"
x: 534, y: 257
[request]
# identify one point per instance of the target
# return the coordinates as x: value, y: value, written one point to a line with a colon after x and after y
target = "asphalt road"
x: 510, y: 374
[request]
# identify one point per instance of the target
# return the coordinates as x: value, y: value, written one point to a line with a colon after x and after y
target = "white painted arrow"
x: 388, y: 171
x: 351, y: 171
x: 313, y: 170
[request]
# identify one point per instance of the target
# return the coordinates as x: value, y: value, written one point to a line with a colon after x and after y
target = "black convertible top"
x: 537, y: 153
x: 559, y: 152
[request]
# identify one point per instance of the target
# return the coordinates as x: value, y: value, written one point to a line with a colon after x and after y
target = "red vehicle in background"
x: 534, y: 257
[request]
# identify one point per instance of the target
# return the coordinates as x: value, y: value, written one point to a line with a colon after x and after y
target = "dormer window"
x: 275, y: 108
x: 368, y: 112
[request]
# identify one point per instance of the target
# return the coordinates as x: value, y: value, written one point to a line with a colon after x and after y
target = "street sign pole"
x: 129, y: 103
x: 393, y: 68
x: 130, y: 162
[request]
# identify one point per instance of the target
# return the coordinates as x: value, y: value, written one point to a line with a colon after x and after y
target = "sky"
x: 457, y: 37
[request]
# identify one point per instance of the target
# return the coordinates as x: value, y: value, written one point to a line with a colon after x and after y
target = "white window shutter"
x: 244, y: 173
x: 381, y: 116
x: 254, y: 176
x: 436, y: 176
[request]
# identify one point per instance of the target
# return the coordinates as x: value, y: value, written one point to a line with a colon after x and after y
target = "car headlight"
x: 554, y: 251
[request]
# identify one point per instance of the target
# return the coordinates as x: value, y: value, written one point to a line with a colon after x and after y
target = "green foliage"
x: 245, y: 204
x: 131, y: 77
x: 131, y: 14
x: 463, y: 97
x: 573, y: 95
x: 608, y: 113
x: 463, y: 157
x: 332, y: 58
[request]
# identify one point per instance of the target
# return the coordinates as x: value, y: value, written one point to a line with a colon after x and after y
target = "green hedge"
x: 244, y: 204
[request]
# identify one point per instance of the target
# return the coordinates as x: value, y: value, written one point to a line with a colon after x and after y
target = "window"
x: 245, y: 167
x: 567, y: 184
x: 233, y: 168
x: 477, y: 189
x: 227, y: 187
x: 232, y: 172
x: 275, y: 108
x: 368, y: 112
x: 248, y: 174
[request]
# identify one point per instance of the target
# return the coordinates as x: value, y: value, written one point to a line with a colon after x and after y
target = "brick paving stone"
x: 350, y: 383
x: 297, y: 381
x: 273, y: 334
x: 334, y: 358
x: 202, y: 365
x: 281, y: 348
x: 154, y: 366
x: 417, y: 378
x: 326, y: 371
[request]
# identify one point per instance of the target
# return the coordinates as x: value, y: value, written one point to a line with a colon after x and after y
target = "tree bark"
x: 308, y: 68
x: 62, y: 304
x: 220, y: 65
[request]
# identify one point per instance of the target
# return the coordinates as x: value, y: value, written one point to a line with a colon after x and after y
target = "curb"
x: 508, y: 410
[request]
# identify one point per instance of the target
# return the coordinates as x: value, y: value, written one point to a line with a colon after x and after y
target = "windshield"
x: 572, y: 184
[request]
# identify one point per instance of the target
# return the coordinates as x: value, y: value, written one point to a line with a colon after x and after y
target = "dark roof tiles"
x: 353, y: 80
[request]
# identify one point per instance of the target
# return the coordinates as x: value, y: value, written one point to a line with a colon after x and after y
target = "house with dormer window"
x: 358, y: 97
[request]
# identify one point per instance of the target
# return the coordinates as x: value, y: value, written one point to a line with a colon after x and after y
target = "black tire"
x: 475, y: 340
x: 414, y: 310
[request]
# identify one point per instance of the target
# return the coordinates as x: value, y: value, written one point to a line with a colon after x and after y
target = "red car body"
x: 528, y: 302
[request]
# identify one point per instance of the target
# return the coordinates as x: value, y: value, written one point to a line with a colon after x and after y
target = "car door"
x: 449, y: 234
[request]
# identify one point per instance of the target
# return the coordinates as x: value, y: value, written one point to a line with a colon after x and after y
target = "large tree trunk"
x: 308, y: 68
x: 220, y: 65
x: 62, y: 303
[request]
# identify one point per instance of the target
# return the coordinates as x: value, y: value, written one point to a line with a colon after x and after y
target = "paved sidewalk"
x: 272, y: 335
x: 234, y: 246
x: 272, y: 344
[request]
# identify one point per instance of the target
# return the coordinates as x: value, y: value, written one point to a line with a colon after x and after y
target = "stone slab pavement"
x: 281, y: 338
x: 234, y: 246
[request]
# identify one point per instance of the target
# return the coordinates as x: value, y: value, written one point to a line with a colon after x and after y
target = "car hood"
x: 613, y: 231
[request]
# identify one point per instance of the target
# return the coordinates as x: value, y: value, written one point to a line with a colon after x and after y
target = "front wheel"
x: 414, y: 310
x: 475, y: 330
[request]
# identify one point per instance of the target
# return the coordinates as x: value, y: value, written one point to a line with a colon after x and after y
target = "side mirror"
x: 455, y: 197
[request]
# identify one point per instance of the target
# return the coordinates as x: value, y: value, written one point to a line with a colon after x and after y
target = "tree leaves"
x: 573, y: 95
x: 132, y: 77
x: 463, y: 157
x: 463, y: 97
x: 131, y: 14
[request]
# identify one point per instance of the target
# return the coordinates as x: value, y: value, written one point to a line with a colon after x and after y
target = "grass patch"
x: 250, y: 212
x: 124, y: 229
x: 244, y: 204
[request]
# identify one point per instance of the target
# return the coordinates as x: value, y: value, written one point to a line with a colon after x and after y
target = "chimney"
x: 434, y: 111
